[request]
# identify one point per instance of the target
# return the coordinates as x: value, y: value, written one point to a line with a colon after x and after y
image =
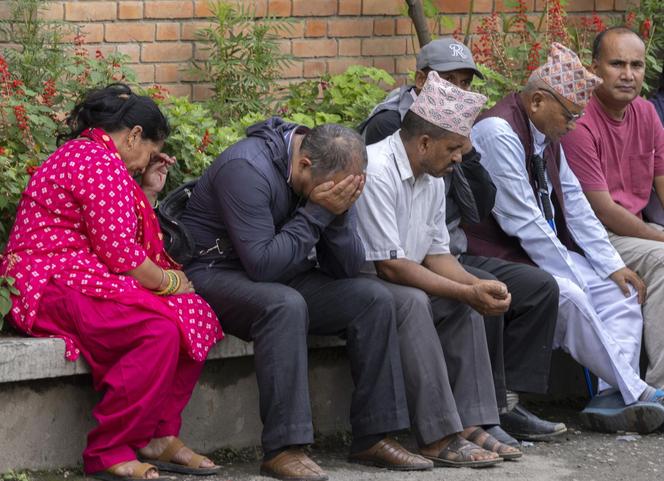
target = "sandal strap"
x: 460, y: 449
x: 195, y: 461
x: 171, y: 450
x: 139, y: 471
x: 484, y: 440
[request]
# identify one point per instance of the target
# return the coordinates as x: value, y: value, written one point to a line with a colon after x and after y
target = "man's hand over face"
x: 339, y: 197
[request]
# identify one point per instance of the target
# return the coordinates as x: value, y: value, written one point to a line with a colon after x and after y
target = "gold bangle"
x: 173, y: 281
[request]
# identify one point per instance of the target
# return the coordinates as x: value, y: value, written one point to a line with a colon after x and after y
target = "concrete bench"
x: 46, y: 401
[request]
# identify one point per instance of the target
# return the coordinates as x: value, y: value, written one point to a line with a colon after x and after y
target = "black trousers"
x: 278, y: 317
x: 527, y: 328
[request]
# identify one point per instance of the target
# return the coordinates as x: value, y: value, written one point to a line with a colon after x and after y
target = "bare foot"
x: 435, y: 448
x: 127, y: 470
x: 158, y: 445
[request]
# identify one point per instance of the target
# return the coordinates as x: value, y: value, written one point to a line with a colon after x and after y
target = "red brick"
x: 601, y: 5
x: 292, y: 30
x: 92, y: 33
x: 385, y: 63
x: 130, y: 10
x: 144, y: 72
x: 404, y: 26
x: 405, y: 64
x: 501, y: 7
x: 128, y: 32
x: 202, y: 8
x: 52, y: 11
x: 202, y: 92
x: 292, y: 70
x: 383, y: 46
x: 383, y: 7
x: 580, y: 6
x: 164, y: 52
x: 168, y: 31
x: 189, y: 29
x: 4, y: 10
x: 256, y: 7
x: 201, y: 51
x: 350, y: 7
x: 279, y: 8
x: 178, y: 90
x: 167, y: 72
x: 315, y: 28
x: 284, y: 46
x: 321, y: 8
x: 384, y: 26
x: 90, y: 11
x: 340, y: 65
x: 314, y: 68
x: 324, y: 47
x: 463, y: 6
x: 622, y: 5
x: 169, y: 9
x: 350, y: 47
x: 357, y: 27
x: 132, y: 50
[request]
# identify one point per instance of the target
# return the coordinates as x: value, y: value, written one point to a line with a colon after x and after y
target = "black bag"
x: 178, y: 242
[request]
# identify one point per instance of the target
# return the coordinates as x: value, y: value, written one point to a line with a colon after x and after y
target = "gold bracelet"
x: 173, y: 283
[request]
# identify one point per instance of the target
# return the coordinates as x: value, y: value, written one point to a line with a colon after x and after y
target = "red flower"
x: 31, y: 169
x: 205, y: 141
x: 21, y: 117
x: 534, y: 56
x: 158, y: 92
x: 645, y: 28
x: 598, y: 23
x: 2, y: 151
x: 49, y: 92
x: 98, y: 54
x: 629, y: 19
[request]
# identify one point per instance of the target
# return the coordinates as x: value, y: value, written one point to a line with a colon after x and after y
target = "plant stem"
x: 466, y: 36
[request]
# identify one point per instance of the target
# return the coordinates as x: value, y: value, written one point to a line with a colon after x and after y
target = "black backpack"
x: 178, y: 242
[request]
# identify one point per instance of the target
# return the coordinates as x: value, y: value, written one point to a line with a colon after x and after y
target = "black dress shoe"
x: 525, y: 426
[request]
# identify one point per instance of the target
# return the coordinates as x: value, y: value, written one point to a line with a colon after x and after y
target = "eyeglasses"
x: 571, y: 117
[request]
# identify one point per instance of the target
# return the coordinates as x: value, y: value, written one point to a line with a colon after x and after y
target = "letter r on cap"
x: 457, y: 50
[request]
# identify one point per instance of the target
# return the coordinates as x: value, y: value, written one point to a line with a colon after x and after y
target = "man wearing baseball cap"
x: 520, y: 337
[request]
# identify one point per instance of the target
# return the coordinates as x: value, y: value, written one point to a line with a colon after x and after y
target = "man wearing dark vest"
x: 519, y: 339
x: 541, y: 217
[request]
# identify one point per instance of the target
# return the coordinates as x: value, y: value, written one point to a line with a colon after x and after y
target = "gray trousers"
x: 446, y: 365
x: 278, y: 317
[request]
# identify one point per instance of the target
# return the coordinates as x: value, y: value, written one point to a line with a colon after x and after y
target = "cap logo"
x: 457, y: 51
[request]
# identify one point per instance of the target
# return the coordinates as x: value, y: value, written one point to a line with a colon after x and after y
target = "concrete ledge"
x: 29, y: 358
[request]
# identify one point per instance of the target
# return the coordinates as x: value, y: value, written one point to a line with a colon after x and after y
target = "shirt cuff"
x: 384, y: 255
x: 317, y: 214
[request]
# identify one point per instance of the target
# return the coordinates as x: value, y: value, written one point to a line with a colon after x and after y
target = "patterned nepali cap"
x: 447, y: 106
x: 565, y: 74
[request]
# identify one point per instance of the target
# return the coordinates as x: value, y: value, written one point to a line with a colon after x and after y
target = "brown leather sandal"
x: 138, y: 474
x: 459, y: 454
x: 165, y: 461
x: 486, y: 441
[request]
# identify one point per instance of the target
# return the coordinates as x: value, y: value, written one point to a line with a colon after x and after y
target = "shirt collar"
x: 401, y: 157
x: 539, y: 139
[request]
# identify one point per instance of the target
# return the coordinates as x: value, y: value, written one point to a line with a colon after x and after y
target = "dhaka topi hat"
x: 564, y: 73
x: 447, y: 106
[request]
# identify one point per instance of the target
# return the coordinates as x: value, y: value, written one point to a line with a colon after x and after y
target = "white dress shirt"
x: 400, y: 216
x: 519, y: 212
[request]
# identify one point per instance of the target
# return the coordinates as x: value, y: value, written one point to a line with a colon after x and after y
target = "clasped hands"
x: 340, y: 196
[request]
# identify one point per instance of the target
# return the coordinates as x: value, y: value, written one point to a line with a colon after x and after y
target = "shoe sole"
x: 446, y: 463
x: 642, y: 418
x: 537, y: 437
x: 391, y: 467
x: 511, y: 457
x: 270, y: 474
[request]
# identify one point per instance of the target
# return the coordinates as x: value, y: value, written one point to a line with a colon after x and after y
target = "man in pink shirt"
x: 617, y: 153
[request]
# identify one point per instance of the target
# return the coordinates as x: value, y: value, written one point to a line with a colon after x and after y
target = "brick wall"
x: 326, y: 35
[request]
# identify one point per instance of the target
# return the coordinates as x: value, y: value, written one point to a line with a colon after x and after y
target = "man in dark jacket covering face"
x: 273, y: 218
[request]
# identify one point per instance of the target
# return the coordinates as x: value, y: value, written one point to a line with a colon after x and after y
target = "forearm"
x: 412, y: 274
x: 620, y: 221
x: 340, y: 251
x: 447, y: 266
x: 149, y: 275
x: 151, y: 195
x: 659, y: 188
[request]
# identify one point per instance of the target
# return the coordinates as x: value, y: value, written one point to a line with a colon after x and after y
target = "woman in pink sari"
x: 88, y: 258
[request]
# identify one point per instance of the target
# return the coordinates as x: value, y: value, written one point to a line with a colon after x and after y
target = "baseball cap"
x: 446, y: 54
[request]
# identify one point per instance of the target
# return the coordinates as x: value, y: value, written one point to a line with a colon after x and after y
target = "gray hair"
x: 333, y: 148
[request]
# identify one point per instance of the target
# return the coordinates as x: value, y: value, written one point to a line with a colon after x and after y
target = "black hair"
x: 413, y: 126
x: 333, y: 148
x: 597, y: 43
x: 116, y: 107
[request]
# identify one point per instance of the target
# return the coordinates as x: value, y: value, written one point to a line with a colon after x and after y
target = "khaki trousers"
x: 646, y: 258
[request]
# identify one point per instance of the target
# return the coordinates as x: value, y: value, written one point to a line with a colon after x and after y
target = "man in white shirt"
x: 542, y: 217
x: 401, y: 222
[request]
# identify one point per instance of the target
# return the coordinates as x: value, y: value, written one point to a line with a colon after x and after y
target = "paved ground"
x: 579, y: 456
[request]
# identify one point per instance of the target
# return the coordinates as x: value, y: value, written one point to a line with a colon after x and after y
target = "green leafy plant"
x: 244, y: 60
x: 346, y: 98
